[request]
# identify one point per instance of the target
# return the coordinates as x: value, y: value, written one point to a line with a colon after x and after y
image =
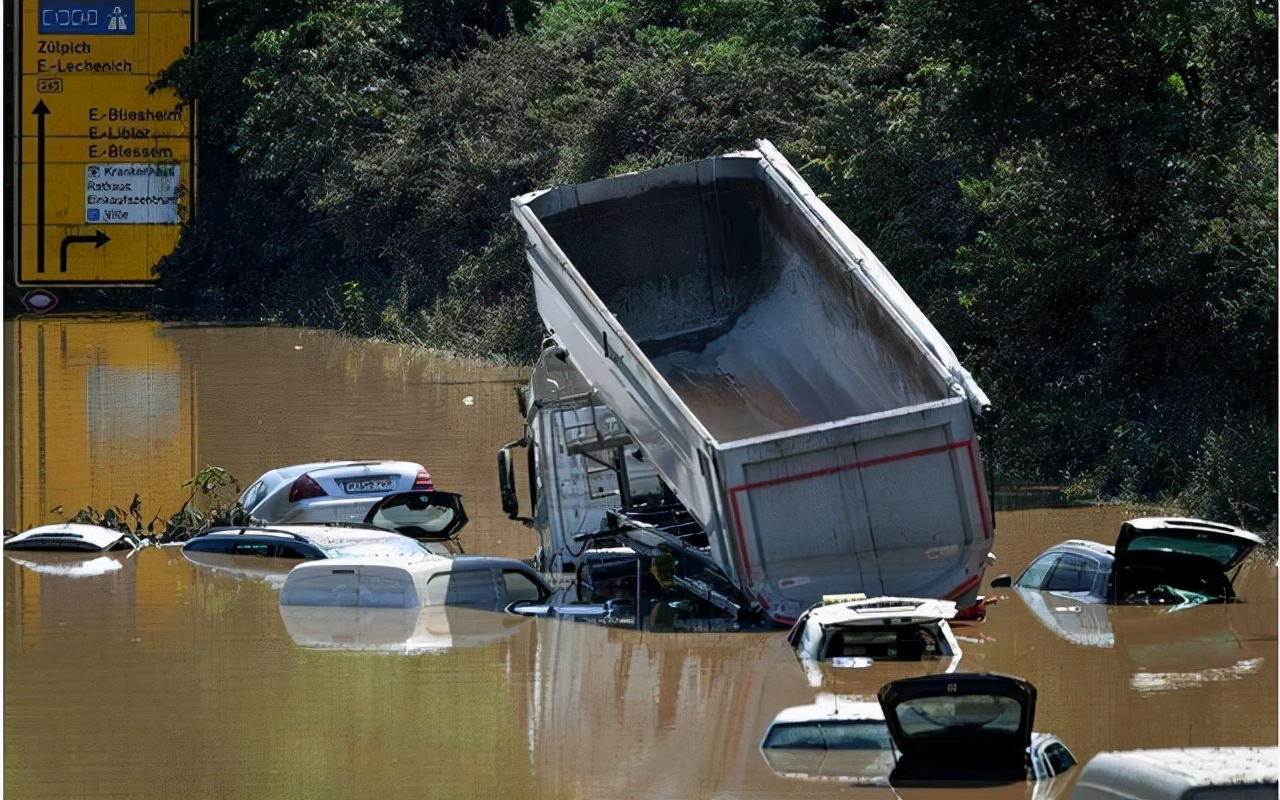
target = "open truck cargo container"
x: 767, y: 368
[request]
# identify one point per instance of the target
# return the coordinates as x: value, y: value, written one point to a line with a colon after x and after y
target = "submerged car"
x: 73, y: 536
x: 329, y: 491
x: 962, y: 729
x: 309, y: 542
x: 852, y: 631
x: 969, y: 729
x: 1155, y: 561
x: 1181, y: 773
x: 486, y: 582
x: 408, y: 524
x: 835, y: 738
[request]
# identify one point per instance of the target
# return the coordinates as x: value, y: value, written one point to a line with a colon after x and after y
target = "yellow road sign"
x: 106, y: 168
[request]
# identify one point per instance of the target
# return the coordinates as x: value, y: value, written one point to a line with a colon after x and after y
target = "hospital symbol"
x: 117, y: 22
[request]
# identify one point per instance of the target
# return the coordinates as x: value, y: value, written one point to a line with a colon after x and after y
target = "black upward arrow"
x: 99, y: 239
x: 41, y: 111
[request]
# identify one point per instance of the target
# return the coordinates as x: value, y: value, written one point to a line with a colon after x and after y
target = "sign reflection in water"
x: 167, y: 678
x: 96, y: 411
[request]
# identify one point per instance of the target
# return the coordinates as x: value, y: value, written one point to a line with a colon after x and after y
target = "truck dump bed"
x: 784, y: 386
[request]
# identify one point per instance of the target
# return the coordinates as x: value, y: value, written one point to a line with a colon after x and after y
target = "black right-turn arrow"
x: 98, y: 240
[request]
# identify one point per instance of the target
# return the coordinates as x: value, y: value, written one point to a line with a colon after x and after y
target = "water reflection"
x: 96, y: 410
x: 271, y: 571
x: 1164, y: 648
x: 397, y: 630
x: 70, y: 565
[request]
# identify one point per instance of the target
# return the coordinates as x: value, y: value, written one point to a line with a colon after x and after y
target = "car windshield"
x: 390, y: 547
x: 831, y: 735
x: 1221, y: 552
x: 986, y: 713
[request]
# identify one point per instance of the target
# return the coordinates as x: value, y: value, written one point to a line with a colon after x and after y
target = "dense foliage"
x: 1082, y: 196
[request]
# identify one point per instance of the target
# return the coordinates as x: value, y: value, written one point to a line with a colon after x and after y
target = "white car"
x: 73, y: 537
x: 1181, y: 773
x: 959, y: 730
x: 836, y: 738
x: 853, y: 631
x: 486, y: 582
x: 329, y: 491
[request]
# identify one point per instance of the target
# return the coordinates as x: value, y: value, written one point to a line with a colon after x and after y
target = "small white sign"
x: 131, y: 194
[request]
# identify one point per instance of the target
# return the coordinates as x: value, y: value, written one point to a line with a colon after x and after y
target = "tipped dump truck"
x: 734, y: 379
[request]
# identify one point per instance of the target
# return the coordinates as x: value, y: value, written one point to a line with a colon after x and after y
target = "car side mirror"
x: 1001, y: 581
x: 530, y: 608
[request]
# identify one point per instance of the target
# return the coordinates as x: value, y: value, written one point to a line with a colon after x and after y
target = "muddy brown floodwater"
x: 148, y: 676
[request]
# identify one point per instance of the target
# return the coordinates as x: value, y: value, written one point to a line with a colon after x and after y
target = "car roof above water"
x: 326, y: 537
x: 1185, y: 773
x: 830, y: 707
x: 1097, y: 548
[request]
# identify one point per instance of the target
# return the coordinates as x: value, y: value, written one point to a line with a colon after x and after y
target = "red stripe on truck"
x: 817, y: 473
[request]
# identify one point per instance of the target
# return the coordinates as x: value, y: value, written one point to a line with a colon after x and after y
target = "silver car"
x: 330, y: 491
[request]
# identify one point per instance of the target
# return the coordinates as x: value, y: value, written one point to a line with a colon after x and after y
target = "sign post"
x: 106, y: 167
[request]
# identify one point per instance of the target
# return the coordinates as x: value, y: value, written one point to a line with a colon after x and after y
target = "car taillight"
x: 304, y: 487
x: 423, y: 481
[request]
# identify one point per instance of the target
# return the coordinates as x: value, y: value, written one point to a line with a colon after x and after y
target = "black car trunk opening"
x: 1145, y: 579
x: 989, y: 761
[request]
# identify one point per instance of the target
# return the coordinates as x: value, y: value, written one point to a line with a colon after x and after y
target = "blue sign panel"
x: 87, y: 17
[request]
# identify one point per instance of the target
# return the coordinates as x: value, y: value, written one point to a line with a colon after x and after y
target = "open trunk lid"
x: 1210, y: 545
x: 960, y: 726
x: 431, y: 516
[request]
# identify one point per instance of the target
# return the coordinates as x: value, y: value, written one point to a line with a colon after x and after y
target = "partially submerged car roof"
x: 1184, y: 773
x: 935, y: 719
x: 835, y: 738
x: 334, y: 540
x: 72, y: 536
x: 360, y: 582
x: 1223, y: 545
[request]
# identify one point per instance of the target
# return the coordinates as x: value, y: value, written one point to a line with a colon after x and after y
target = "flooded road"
x: 148, y: 676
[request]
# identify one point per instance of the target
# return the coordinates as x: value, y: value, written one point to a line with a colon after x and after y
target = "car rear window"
x: 972, y: 712
x: 832, y: 735
x: 1221, y: 552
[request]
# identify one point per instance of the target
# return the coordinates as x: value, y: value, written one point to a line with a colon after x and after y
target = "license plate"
x: 377, y: 483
